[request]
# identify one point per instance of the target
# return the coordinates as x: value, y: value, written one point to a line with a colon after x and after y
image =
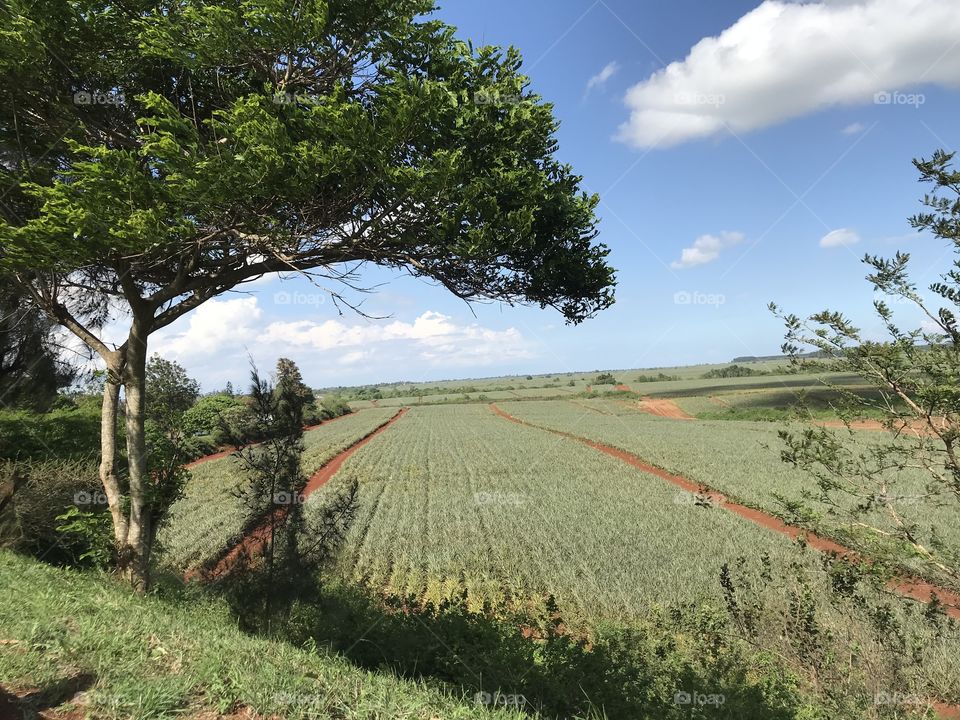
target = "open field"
x: 739, y: 458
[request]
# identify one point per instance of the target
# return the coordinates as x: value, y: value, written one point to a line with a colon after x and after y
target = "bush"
x: 659, y: 377
x: 68, y: 433
x: 208, y: 413
x: 605, y: 379
x: 332, y: 406
x: 41, y: 491
x: 731, y: 371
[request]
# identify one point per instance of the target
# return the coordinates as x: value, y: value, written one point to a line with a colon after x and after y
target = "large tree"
x: 156, y: 154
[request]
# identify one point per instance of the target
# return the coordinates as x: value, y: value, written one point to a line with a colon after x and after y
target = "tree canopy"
x: 156, y: 154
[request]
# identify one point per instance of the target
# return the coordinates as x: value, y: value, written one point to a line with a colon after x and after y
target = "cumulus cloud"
x: 706, y: 249
x: 854, y: 128
x: 600, y: 79
x: 839, y: 238
x: 784, y: 60
x: 433, y: 337
x: 214, y: 343
x: 211, y: 327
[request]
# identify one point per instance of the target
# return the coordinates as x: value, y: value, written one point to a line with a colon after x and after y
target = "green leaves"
x: 201, y: 124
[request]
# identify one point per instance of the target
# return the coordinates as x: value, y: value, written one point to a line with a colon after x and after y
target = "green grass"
x: 773, y: 401
x: 148, y: 658
x: 460, y: 506
x: 208, y: 518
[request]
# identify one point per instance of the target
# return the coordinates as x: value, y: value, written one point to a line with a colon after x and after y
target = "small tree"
x: 916, y: 375
x: 273, y: 497
x: 171, y: 393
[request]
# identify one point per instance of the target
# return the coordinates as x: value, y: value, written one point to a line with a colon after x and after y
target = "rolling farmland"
x: 458, y: 507
x: 738, y: 458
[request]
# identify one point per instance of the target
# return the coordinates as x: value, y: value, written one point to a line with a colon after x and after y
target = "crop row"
x: 742, y: 460
x: 457, y: 503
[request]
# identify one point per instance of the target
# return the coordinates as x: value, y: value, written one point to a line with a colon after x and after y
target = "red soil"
x: 256, y: 540
x: 622, y: 388
x: 230, y: 451
x: 909, y: 587
x: 914, y: 427
x: 662, y: 407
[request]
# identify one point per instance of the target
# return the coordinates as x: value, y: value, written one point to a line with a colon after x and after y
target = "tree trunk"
x: 139, y: 531
x: 108, y: 453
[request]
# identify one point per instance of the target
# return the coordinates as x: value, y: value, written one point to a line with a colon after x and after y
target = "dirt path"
x: 254, y: 541
x: 914, y: 428
x: 909, y: 587
x: 224, y: 453
x: 661, y: 407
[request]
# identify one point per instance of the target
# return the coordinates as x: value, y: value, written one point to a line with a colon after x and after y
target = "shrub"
x: 332, y: 406
x: 205, y: 417
x: 39, y: 492
x: 605, y: 379
x: 68, y: 433
x: 731, y: 371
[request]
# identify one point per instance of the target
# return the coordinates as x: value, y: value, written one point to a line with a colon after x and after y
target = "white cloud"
x: 600, y: 79
x: 215, y: 325
x: 433, y: 338
x: 706, y: 248
x: 854, y: 128
x: 214, y: 342
x: 784, y: 60
x: 839, y: 238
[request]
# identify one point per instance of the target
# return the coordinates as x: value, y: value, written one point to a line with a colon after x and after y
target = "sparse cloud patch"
x: 600, y: 79
x: 839, y: 238
x: 706, y: 249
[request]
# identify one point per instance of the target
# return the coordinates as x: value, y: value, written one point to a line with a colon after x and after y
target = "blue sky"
x: 761, y: 138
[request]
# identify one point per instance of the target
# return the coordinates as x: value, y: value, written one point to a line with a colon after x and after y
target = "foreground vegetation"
x: 80, y: 638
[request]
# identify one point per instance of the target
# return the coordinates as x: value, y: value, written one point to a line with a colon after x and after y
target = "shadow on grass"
x: 681, y: 665
x: 29, y: 705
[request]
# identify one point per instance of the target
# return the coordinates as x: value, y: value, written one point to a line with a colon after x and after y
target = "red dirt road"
x: 662, y: 407
x: 255, y: 541
x: 912, y: 588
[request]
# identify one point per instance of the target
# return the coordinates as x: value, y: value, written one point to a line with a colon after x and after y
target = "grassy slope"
x: 148, y: 658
